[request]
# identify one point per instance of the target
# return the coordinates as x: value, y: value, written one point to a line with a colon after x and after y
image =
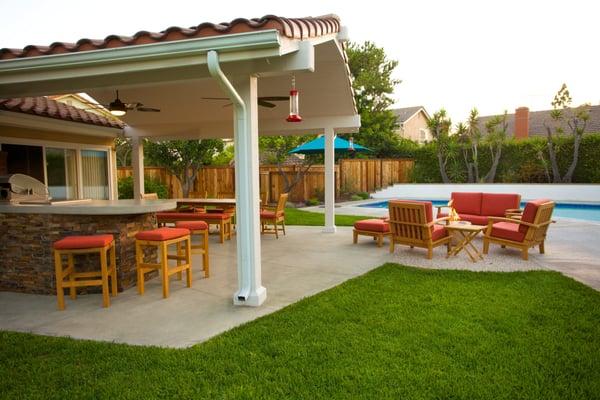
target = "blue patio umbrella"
x: 317, y: 146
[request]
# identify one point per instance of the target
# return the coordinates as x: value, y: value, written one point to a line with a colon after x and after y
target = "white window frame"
x: 68, y: 145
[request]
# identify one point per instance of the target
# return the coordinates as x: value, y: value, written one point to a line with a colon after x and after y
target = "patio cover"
x: 176, y: 69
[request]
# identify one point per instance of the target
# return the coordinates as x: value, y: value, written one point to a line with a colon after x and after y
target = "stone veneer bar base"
x: 26, y: 259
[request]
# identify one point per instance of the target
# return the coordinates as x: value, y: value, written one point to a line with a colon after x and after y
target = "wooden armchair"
x: 274, y: 216
x: 521, y: 231
x: 412, y: 224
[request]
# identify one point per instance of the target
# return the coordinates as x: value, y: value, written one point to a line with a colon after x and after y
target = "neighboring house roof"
x: 537, y: 119
x: 45, y: 107
x: 294, y: 28
x: 404, y: 114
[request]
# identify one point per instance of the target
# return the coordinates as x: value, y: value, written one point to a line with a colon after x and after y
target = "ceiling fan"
x: 265, y: 101
x: 118, y: 108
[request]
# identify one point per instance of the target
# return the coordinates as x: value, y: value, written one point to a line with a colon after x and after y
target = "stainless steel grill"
x: 16, y: 188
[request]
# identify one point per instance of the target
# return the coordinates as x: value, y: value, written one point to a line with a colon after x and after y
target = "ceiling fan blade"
x: 147, y: 109
x: 214, y: 98
x: 275, y: 98
x: 263, y: 103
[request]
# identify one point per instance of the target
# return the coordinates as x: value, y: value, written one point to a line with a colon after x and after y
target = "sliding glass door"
x: 61, y: 173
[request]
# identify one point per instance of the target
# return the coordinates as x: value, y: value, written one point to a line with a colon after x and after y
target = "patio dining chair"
x: 412, y: 224
x: 274, y: 216
x: 521, y: 231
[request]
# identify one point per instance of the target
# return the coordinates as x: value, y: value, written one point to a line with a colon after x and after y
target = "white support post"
x: 329, y: 181
x: 137, y: 163
x: 247, y: 192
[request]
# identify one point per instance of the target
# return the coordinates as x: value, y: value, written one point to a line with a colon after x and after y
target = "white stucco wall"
x: 576, y: 193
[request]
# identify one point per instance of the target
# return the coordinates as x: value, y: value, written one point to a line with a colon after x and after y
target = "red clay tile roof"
x: 45, y: 107
x: 294, y: 28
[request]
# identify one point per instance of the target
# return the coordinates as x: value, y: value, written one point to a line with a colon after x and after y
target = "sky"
x: 459, y: 54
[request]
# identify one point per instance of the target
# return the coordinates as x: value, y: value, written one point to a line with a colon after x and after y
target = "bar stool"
x: 68, y: 278
x: 161, y: 239
x: 198, y: 228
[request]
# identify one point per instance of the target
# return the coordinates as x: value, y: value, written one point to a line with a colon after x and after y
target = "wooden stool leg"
x: 355, y: 237
x: 165, y: 270
x: 179, y: 261
x: 139, y: 259
x: 222, y: 231
x: 283, y: 226
x: 380, y: 240
x: 542, y: 250
x: 104, y: 272
x: 60, y: 294
x: 205, y: 255
x: 113, y: 269
x: 188, y: 260
x: 71, y: 266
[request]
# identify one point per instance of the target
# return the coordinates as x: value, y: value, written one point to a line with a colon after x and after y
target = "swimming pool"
x: 587, y: 212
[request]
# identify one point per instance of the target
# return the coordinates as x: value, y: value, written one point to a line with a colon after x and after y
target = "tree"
x: 439, y: 126
x: 469, y: 136
x: 494, y: 140
x: 576, y: 120
x: 275, y: 149
x: 183, y: 158
x: 123, y: 150
x: 373, y: 84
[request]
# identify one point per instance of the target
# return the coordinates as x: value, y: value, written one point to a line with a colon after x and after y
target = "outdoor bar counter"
x: 28, y: 231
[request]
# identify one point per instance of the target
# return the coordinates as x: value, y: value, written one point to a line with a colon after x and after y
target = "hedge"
x: 519, y: 163
x: 150, y: 186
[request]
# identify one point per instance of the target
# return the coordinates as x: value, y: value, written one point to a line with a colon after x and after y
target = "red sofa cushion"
x: 474, y: 219
x: 83, y: 242
x: 507, y: 230
x: 530, y: 211
x: 372, y: 225
x: 192, y: 225
x: 161, y: 234
x: 467, y: 202
x: 438, y: 232
x: 496, y: 204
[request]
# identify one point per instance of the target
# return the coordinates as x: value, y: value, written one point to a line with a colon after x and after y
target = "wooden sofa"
x: 477, y: 207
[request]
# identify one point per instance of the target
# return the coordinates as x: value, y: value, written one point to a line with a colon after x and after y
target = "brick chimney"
x: 522, y: 123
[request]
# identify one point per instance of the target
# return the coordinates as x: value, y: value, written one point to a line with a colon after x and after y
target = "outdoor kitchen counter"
x: 27, y: 233
x: 94, y: 207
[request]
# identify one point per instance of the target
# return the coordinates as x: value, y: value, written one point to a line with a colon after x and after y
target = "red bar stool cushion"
x: 192, y: 225
x: 83, y: 242
x: 271, y: 214
x: 161, y: 234
x: 212, y: 215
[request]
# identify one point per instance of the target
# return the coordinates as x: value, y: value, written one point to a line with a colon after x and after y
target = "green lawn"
x: 293, y: 216
x: 396, y: 332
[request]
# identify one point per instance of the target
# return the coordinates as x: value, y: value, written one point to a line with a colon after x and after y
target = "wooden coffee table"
x: 467, y: 232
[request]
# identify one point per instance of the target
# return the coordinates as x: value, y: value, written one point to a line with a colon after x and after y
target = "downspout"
x: 215, y: 71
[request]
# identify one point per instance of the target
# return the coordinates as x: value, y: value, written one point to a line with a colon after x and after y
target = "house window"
x: 70, y: 172
x: 61, y: 173
x: 94, y: 170
x: 423, y: 135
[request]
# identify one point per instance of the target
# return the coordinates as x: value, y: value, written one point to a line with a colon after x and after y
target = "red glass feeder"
x: 294, y: 108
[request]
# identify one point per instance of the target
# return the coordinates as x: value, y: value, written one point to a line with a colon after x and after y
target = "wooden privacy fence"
x: 351, y: 176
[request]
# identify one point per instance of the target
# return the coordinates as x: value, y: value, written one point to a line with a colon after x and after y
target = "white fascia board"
x: 20, y: 120
x: 78, y: 71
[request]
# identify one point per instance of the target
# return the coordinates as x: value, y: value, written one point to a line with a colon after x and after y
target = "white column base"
x: 254, y: 299
x: 329, y: 229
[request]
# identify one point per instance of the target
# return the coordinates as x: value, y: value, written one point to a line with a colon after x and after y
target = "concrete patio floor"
x: 298, y: 265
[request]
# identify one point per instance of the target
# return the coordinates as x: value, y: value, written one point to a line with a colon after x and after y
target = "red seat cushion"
x: 530, y: 211
x: 438, y: 232
x: 496, y: 204
x: 170, y: 216
x: 270, y: 214
x: 192, y: 225
x: 428, y: 207
x: 467, y: 202
x: 507, y: 230
x: 83, y: 242
x: 474, y: 219
x: 161, y: 234
x: 372, y: 225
